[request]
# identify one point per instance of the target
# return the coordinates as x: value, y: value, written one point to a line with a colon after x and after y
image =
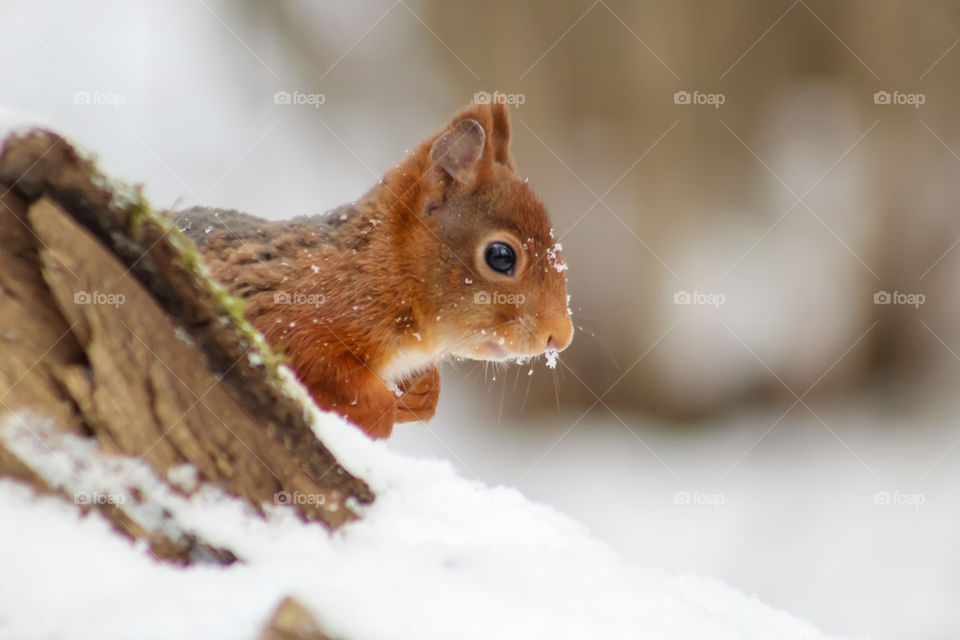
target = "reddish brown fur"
x: 399, y: 276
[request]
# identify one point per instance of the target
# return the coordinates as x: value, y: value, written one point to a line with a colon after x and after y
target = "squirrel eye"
x: 501, y: 257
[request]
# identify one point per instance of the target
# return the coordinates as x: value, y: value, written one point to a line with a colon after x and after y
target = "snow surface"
x: 847, y: 518
x: 435, y: 556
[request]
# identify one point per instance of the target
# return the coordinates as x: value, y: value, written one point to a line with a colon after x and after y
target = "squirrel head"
x: 480, y: 243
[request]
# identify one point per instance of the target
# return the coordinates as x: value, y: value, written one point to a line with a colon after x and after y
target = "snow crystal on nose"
x: 551, y: 356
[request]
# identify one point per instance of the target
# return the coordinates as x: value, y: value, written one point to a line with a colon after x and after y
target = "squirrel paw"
x: 420, y: 396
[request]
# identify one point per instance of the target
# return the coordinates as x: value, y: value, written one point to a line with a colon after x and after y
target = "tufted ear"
x: 500, y: 135
x: 459, y: 150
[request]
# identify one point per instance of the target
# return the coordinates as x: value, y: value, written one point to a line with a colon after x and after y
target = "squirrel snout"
x: 561, y: 335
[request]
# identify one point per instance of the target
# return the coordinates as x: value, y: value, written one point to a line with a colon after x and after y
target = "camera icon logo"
x: 281, y: 297
x: 282, y: 97
x: 281, y: 497
x: 681, y: 97
x: 882, y: 497
x: 682, y: 297
x: 81, y: 297
x: 481, y: 97
x: 82, y: 97
x: 881, y: 97
x: 682, y: 497
x: 481, y: 297
x: 882, y: 297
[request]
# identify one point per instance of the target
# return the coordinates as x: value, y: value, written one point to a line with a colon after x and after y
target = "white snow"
x: 551, y: 355
x: 435, y: 556
x: 185, y: 476
x: 553, y: 257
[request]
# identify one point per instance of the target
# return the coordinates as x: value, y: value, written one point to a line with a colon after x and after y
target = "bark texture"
x: 111, y: 331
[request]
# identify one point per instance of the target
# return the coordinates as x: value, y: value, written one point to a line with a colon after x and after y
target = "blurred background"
x: 757, y: 203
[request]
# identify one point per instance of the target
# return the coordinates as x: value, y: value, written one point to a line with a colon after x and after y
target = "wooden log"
x: 110, y: 329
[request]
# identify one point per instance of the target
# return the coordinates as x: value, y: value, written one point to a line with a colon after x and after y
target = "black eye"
x: 500, y: 257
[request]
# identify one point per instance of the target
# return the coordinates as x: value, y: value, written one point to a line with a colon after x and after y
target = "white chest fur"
x: 409, y: 361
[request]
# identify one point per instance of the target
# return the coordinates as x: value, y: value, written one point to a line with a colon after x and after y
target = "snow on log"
x: 110, y: 328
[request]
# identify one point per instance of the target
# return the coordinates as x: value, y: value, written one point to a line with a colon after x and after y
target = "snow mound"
x: 435, y: 556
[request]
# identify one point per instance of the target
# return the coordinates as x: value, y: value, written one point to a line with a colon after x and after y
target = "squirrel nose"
x: 561, y: 336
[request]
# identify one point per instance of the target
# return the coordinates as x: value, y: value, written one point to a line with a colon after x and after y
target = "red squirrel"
x: 450, y: 254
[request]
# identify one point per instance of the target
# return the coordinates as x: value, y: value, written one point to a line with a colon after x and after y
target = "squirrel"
x: 450, y: 254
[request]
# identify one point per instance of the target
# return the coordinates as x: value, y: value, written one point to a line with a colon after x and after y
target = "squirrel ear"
x: 459, y: 150
x: 500, y: 135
